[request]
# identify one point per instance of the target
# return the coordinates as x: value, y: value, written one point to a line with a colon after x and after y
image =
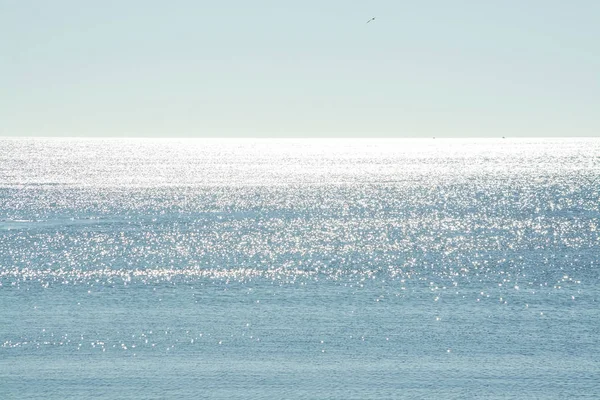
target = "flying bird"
x: 372, y: 19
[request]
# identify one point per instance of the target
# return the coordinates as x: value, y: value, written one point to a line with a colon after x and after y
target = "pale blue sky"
x: 304, y: 68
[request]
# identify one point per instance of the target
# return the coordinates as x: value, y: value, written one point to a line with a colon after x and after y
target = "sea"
x: 300, y: 268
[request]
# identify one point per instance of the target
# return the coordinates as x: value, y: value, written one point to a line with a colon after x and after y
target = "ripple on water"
x: 281, y: 262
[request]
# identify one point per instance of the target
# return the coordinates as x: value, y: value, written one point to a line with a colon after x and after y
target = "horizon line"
x: 293, y: 137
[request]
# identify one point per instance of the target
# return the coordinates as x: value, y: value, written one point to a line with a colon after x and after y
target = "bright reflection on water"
x: 299, y: 268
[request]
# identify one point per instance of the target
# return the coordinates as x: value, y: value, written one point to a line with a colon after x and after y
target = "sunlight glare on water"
x: 299, y: 268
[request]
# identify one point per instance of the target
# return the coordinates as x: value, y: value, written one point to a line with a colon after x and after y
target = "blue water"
x: 316, y: 269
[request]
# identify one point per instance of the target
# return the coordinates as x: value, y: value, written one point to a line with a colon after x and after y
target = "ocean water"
x: 300, y: 269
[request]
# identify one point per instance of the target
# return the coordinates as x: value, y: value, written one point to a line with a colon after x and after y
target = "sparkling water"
x: 317, y: 269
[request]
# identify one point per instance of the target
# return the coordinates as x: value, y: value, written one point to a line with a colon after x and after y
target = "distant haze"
x: 293, y: 69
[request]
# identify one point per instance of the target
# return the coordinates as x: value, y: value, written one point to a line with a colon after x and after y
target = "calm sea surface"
x: 300, y: 269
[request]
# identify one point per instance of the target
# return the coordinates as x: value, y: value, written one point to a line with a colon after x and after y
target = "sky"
x: 228, y: 68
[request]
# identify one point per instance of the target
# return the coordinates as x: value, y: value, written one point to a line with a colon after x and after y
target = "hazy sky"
x: 302, y: 68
